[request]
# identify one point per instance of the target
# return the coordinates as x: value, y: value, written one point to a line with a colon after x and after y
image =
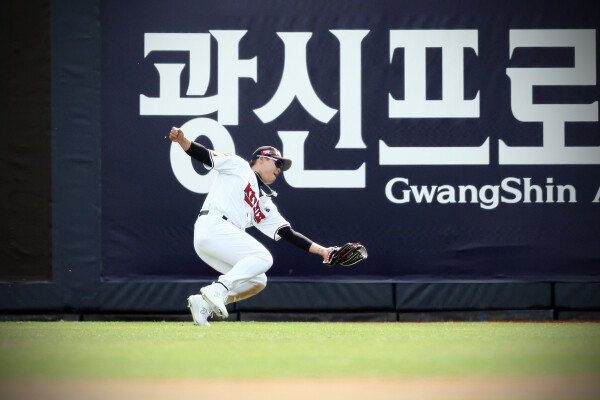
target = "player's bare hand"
x: 326, y: 253
x: 176, y: 134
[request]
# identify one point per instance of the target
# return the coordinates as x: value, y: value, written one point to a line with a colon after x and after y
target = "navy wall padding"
x: 170, y: 297
x: 473, y: 296
x: 385, y: 316
x: 289, y: 296
x: 577, y: 296
x: 31, y: 297
x: 478, y: 315
x: 147, y: 296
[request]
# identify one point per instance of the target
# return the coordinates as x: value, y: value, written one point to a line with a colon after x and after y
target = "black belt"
x: 205, y: 212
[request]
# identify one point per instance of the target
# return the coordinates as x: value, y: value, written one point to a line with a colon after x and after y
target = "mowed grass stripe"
x: 252, y: 349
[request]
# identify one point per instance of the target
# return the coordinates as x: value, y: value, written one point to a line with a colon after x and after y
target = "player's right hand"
x: 176, y: 134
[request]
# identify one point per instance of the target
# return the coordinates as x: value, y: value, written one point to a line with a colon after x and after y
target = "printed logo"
x: 527, y: 96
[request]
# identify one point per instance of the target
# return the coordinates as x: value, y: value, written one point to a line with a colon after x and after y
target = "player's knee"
x: 200, y: 239
x: 199, y: 243
x: 269, y: 260
x: 261, y: 280
x: 265, y: 259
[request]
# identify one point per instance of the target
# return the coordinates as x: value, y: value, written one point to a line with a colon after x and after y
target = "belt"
x: 205, y: 212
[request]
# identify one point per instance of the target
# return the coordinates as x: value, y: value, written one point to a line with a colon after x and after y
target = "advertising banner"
x: 456, y: 140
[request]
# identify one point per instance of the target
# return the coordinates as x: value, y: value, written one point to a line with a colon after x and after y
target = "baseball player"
x: 240, y: 197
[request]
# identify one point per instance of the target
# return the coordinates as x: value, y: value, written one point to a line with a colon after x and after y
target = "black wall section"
x: 76, y: 149
x: 25, y: 227
x: 75, y: 169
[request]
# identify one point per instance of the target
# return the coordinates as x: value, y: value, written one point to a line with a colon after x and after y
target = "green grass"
x: 251, y: 349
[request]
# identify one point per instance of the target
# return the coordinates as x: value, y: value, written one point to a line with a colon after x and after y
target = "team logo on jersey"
x: 252, y: 200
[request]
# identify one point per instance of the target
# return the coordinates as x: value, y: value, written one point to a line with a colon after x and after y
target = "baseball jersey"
x: 236, y: 194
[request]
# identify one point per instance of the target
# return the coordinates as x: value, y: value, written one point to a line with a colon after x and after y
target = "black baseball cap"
x: 270, y: 151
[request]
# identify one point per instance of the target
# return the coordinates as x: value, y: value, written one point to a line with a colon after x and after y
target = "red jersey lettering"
x: 250, y: 196
x: 258, y: 215
x: 252, y: 200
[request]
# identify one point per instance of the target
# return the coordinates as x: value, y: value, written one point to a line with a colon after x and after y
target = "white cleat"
x: 200, y: 309
x: 216, y: 295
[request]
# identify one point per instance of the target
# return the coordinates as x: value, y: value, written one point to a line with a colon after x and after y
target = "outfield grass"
x: 258, y: 350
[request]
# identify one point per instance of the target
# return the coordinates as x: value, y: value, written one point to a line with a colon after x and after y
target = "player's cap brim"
x: 286, y: 163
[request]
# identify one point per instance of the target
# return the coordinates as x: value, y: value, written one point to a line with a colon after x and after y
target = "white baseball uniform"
x: 234, y: 203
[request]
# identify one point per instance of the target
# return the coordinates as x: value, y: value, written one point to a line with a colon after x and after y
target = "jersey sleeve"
x: 273, y: 220
x: 227, y: 163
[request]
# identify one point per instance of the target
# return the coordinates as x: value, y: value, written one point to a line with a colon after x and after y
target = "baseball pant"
x: 241, y: 259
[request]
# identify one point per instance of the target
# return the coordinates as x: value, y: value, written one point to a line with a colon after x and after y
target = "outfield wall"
x: 477, y: 198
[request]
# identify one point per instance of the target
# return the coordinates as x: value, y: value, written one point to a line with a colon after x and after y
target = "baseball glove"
x: 347, y: 255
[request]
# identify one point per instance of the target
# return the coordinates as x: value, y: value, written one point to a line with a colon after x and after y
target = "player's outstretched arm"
x: 304, y: 243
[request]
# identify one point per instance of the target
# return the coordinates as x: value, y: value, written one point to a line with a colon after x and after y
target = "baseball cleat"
x: 200, y: 310
x: 216, y: 295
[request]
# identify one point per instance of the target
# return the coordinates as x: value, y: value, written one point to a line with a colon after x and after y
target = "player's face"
x: 270, y: 169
